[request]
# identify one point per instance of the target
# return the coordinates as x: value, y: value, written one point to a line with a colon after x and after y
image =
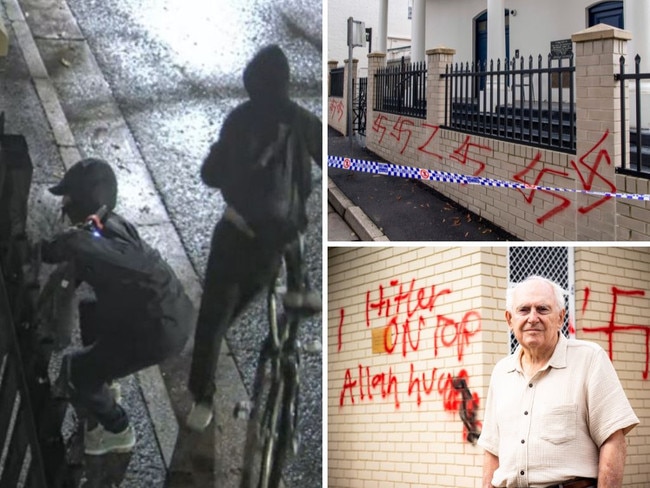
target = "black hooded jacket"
x: 134, y: 287
x: 253, y: 126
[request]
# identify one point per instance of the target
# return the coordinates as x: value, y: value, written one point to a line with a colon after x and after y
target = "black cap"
x: 90, y: 184
x: 87, y: 172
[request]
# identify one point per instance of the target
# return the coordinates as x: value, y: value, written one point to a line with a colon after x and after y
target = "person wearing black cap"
x: 140, y: 314
x: 247, y: 243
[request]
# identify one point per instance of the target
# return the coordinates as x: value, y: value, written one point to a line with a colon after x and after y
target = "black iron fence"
x: 639, y: 156
x: 513, y: 102
x: 21, y: 463
x: 401, y: 89
x: 360, y: 106
x: 337, y: 80
x: 32, y: 451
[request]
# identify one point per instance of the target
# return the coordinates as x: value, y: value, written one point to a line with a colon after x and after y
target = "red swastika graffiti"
x: 593, y: 173
x: 336, y: 108
x: 398, y: 130
x: 378, y: 126
x: 565, y: 202
x: 462, y: 154
x: 612, y: 327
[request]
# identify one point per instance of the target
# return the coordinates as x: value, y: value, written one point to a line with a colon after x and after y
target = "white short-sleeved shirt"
x: 549, y: 428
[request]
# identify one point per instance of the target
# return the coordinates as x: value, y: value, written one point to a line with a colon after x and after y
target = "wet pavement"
x: 398, y: 209
x: 146, y: 85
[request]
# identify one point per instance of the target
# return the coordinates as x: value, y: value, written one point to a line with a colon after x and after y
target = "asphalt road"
x: 171, y: 70
x: 406, y: 209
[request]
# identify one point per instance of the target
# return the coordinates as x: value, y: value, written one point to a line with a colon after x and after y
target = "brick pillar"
x: 598, y: 112
x: 375, y: 61
x: 355, y: 63
x: 332, y: 64
x: 437, y: 60
x: 4, y: 40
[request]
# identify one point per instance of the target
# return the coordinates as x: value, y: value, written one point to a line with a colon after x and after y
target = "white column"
x: 496, y: 45
x: 418, y: 22
x: 496, y: 30
x: 383, y: 26
x: 637, y: 20
x: 4, y: 39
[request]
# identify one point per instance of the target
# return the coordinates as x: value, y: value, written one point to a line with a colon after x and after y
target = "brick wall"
x: 409, y: 435
x: 530, y: 214
x: 613, y: 292
x: 337, y: 116
x: 392, y: 416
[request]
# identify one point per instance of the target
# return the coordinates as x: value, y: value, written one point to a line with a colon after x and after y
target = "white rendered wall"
x: 367, y: 11
x: 450, y: 23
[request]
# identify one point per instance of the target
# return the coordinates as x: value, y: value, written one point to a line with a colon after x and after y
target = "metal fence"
x: 401, y: 89
x: 337, y: 81
x: 513, y: 102
x: 21, y: 464
x: 360, y: 106
x: 32, y: 451
x: 639, y: 157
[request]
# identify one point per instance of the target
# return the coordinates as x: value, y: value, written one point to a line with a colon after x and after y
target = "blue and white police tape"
x: 400, y: 171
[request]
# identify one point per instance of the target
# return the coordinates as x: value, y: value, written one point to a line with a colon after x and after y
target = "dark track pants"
x: 109, y: 356
x: 239, y: 267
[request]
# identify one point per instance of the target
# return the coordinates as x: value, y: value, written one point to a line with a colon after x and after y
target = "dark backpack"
x: 275, y: 205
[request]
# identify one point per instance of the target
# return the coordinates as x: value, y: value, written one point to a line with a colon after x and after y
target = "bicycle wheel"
x: 283, y: 418
x: 261, y: 469
x: 265, y: 419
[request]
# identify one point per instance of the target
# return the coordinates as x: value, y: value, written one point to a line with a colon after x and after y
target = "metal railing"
x: 639, y: 164
x: 21, y: 463
x: 360, y: 106
x: 501, y: 102
x: 32, y: 451
x: 337, y: 82
x: 401, y: 89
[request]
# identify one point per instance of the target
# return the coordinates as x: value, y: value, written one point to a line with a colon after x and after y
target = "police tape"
x: 400, y: 171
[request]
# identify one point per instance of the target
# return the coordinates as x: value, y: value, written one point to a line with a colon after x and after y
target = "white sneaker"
x: 309, y: 302
x: 116, y: 391
x: 100, y: 441
x: 199, y: 417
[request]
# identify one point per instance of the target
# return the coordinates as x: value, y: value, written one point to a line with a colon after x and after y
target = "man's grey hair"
x: 558, y: 291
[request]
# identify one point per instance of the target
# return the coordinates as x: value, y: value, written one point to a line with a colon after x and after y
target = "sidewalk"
x: 337, y: 228
x: 386, y: 208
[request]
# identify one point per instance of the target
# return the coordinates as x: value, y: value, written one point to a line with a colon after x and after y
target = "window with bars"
x: 554, y: 263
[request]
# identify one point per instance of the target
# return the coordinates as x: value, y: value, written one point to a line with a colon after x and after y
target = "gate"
x: 360, y: 103
x: 32, y: 452
x: 554, y: 263
x: 21, y: 464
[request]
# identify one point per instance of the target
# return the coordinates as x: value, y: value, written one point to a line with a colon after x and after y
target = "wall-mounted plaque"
x: 562, y: 48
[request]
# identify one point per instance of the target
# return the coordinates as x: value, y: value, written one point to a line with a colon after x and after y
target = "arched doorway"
x: 481, y: 41
x: 610, y: 13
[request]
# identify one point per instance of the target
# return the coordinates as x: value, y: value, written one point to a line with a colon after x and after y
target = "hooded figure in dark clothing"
x: 247, y: 245
x: 140, y: 314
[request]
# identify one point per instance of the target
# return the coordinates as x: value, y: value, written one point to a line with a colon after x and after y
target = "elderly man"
x: 556, y: 414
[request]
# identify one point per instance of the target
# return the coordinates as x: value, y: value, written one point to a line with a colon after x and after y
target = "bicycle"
x: 273, y: 422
